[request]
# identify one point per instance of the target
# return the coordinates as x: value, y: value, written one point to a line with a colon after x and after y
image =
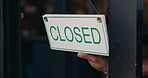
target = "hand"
x: 98, y: 62
x: 145, y: 67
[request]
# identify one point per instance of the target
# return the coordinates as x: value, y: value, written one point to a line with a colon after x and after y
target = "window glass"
x: 38, y: 60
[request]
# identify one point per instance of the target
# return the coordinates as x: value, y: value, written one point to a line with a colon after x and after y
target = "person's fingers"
x: 98, y: 62
x: 92, y: 58
x: 85, y: 56
x: 99, y: 66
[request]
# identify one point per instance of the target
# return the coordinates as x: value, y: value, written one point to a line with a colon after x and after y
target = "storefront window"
x: 39, y: 61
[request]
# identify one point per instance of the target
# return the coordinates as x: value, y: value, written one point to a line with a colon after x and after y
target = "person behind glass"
x: 99, y: 62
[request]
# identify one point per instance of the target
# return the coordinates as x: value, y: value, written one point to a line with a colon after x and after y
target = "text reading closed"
x: 84, y: 34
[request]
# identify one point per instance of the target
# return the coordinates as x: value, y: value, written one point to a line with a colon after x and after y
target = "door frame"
x: 126, y: 38
x: 1, y: 39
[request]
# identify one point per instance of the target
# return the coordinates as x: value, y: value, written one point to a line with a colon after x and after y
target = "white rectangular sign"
x: 77, y: 33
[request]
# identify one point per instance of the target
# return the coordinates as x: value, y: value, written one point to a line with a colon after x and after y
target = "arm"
x: 145, y: 67
x: 101, y: 63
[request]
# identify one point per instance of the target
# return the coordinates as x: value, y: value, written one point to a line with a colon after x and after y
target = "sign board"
x: 77, y: 33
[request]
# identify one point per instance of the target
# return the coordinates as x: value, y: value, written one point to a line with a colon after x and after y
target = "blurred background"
x: 38, y: 60
x: 145, y: 36
x: 145, y: 47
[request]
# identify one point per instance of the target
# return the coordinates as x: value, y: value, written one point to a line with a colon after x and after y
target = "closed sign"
x: 77, y: 33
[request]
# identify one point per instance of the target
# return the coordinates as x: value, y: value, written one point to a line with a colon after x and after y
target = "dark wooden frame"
x: 12, y: 39
x: 1, y: 39
x: 125, y: 32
